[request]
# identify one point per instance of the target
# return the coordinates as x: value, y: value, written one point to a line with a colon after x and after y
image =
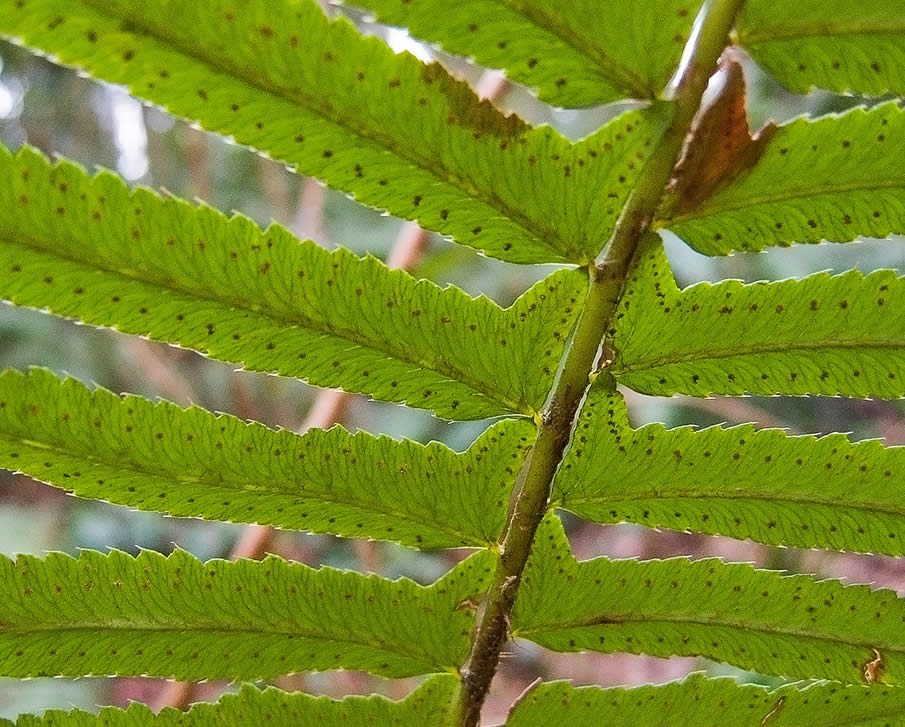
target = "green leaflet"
x: 790, y: 626
x: 834, y: 44
x: 427, y: 706
x: 177, y: 617
x: 836, y: 178
x: 88, y: 248
x: 277, y: 76
x: 762, y: 485
x: 575, y: 53
x: 825, y: 334
x: 191, y: 463
x: 701, y: 702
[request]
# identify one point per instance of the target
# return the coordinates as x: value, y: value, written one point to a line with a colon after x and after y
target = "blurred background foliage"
x: 64, y: 114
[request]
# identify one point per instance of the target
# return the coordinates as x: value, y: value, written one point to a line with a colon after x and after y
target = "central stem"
x: 606, y: 285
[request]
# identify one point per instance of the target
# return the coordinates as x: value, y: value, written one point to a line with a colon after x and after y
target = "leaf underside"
x: 427, y: 706
x: 835, y: 178
x: 697, y: 701
x: 575, y: 54
x: 191, y: 463
x: 791, y: 626
x: 278, y: 76
x: 164, y: 269
x: 824, y: 334
x: 177, y: 617
x: 834, y: 44
x: 763, y: 485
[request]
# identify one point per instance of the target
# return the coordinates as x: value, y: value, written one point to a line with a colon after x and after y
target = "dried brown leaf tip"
x: 720, y: 145
x: 873, y: 669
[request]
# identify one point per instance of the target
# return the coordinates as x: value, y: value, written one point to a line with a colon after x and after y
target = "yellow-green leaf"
x: 192, y: 463
x: 89, y: 248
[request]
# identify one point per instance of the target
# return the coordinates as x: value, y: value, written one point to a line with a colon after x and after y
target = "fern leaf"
x: 278, y: 76
x: 190, y: 276
x: 761, y: 485
x: 177, y: 617
x: 191, y: 463
x: 697, y: 701
x: 824, y: 334
x: 836, y: 179
x: 790, y: 626
x: 832, y: 44
x: 428, y: 706
x: 576, y: 54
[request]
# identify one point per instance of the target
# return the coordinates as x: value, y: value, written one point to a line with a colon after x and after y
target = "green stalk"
x: 607, y: 282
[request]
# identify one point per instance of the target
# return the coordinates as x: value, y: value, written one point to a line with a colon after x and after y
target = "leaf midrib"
x: 740, y: 625
x: 92, y: 627
x: 539, y: 233
x: 861, y: 720
x: 709, y: 209
x: 255, y: 309
x: 646, y: 364
x: 656, y: 494
x: 830, y: 28
x: 616, y: 73
x: 124, y: 465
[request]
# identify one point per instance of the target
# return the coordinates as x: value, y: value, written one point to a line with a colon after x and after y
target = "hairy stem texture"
x: 607, y: 282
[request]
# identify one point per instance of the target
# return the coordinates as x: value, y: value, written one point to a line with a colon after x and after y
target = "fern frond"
x: 177, y: 617
x: 833, y: 44
x: 836, y: 179
x: 763, y: 485
x: 185, y: 275
x: 278, y: 76
x: 824, y: 334
x: 576, y: 53
x: 191, y: 463
x: 790, y: 626
x: 697, y: 701
x: 428, y: 706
